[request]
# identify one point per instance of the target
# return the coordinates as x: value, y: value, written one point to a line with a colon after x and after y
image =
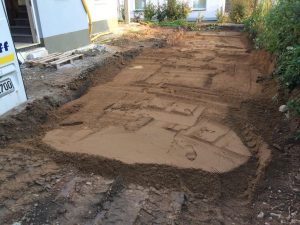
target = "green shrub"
x: 294, y: 106
x: 183, y: 10
x: 149, y: 11
x: 240, y: 10
x: 177, y: 10
x: 276, y: 28
x: 288, y: 68
x: 221, y: 17
x: 255, y: 24
x: 161, y: 12
x: 282, y: 27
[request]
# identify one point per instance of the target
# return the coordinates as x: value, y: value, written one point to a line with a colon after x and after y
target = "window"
x: 199, y: 4
x: 140, y: 4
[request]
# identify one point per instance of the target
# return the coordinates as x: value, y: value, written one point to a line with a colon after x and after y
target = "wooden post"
x: 127, y: 11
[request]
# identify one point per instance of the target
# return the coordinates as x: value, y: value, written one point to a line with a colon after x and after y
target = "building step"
x: 22, y: 21
x: 20, y: 29
x: 22, y: 8
x: 24, y: 38
x: 22, y: 14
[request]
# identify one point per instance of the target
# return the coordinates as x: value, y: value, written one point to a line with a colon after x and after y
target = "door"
x: 12, y: 91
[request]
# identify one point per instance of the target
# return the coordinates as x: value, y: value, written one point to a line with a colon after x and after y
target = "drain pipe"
x: 86, y: 8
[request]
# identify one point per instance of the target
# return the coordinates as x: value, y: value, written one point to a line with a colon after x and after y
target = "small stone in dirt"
x: 17, y: 223
x: 294, y: 221
x: 191, y: 155
x: 88, y: 183
x: 260, y: 215
x: 283, y: 108
x: 61, y: 211
x: 251, y: 144
x: 277, y: 147
x: 275, y: 215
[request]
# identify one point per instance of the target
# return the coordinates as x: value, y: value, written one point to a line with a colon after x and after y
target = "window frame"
x: 198, y: 9
x: 139, y: 9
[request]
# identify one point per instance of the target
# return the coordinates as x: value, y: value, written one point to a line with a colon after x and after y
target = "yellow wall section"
x: 7, y: 59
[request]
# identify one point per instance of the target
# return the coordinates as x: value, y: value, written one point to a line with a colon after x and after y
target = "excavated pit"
x: 170, y: 107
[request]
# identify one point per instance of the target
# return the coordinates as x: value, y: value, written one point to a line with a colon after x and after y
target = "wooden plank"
x: 39, y: 61
x: 66, y: 59
x: 48, y: 59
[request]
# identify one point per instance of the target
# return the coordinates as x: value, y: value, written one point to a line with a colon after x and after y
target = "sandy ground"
x: 181, y: 134
x: 167, y: 107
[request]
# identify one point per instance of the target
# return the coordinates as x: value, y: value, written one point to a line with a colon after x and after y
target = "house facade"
x: 205, y: 9
x: 59, y: 25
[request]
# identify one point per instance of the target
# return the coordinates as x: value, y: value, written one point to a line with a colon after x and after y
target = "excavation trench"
x: 170, y: 118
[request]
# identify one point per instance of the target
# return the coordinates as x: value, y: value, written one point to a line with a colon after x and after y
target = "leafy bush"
x: 161, y: 12
x: 255, y: 24
x: 289, y: 67
x: 183, y: 10
x: 240, y: 10
x: 173, y: 10
x: 294, y: 106
x: 221, y: 16
x: 276, y: 28
x: 177, y: 10
x: 282, y: 27
x: 149, y: 11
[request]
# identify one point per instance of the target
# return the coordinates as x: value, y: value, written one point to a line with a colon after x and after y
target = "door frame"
x: 33, y: 21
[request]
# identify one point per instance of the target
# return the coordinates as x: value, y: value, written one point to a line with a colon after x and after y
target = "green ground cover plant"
x: 275, y: 26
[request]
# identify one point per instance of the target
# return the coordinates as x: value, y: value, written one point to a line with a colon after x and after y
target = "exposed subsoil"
x: 175, y: 130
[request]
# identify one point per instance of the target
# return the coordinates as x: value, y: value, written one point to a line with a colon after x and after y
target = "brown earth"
x: 182, y: 134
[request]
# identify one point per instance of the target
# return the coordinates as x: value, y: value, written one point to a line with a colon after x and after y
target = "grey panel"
x: 65, y: 42
x: 104, y: 25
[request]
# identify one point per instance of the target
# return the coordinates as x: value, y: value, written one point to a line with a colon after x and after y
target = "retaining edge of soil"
x: 29, y: 118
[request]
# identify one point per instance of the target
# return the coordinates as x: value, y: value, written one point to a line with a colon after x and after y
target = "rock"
x: 294, y: 221
x: 17, y: 223
x: 261, y: 215
x: 275, y: 215
x: 191, y: 155
x: 88, y: 183
x: 283, y: 108
x: 277, y: 147
x: 61, y: 211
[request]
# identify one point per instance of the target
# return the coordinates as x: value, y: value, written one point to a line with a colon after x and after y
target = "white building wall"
x: 103, y: 9
x: 208, y: 14
x: 60, y: 16
x: 63, y: 24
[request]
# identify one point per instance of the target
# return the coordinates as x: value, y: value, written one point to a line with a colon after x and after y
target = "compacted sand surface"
x: 168, y: 107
